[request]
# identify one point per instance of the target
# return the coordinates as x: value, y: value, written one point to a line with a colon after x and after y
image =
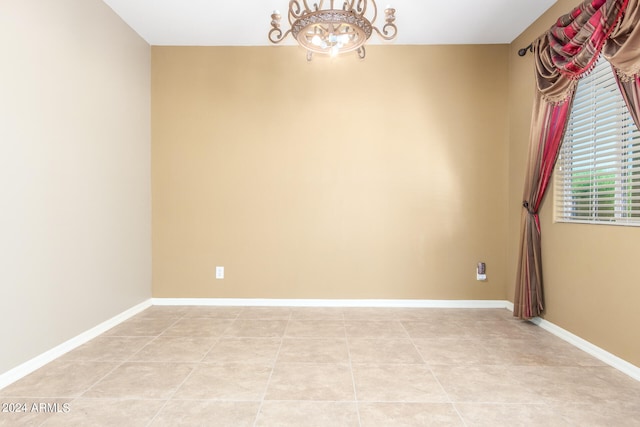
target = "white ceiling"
x: 247, y: 22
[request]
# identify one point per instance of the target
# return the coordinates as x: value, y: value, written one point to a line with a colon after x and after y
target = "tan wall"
x: 75, y: 229
x: 383, y: 178
x: 591, y: 271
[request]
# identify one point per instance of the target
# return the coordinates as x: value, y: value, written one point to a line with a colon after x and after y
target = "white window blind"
x: 597, y: 176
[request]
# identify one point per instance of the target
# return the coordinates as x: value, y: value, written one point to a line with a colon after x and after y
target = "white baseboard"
x: 39, y: 361
x: 584, y: 345
x: 509, y: 306
x: 392, y: 303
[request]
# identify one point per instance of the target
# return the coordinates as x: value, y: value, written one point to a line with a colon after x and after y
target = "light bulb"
x: 316, y: 40
x: 334, y: 51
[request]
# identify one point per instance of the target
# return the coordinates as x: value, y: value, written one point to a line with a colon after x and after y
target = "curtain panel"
x: 622, y: 50
x: 562, y: 56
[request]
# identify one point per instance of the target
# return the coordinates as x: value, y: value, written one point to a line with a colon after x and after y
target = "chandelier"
x: 327, y: 30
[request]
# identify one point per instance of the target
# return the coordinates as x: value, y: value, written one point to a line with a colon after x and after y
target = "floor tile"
x: 141, y: 381
x: 208, y: 413
x: 315, y: 329
x: 141, y: 327
x: 265, y: 313
x: 580, y: 384
x: 380, y: 351
x: 449, y: 329
x: 601, y: 414
x: 500, y: 328
x: 508, y: 415
x: 375, y: 329
x: 308, y: 381
x: 408, y: 415
x: 455, y: 351
x: 254, y: 328
x: 477, y: 314
x: 59, y: 379
x: 315, y: 366
x: 213, y: 312
x: 535, y: 351
x: 163, y: 311
x: 198, y: 327
x: 107, y: 349
x: 175, y: 349
x: 397, y: 383
x: 244, y: 350
x: 233, y: 381
x: 624, y: 388
x: 488, y: 384
x: 313, y: 350
x: 370, y: 314
x: 317, y: 313
x: 308, y: 414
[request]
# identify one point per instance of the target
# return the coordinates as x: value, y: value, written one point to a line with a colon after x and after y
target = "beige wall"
x: 383, y: 178
x: 74, y: 172
x: 591, y: 271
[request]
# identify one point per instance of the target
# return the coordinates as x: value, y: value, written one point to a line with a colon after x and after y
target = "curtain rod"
x: 523, y: 51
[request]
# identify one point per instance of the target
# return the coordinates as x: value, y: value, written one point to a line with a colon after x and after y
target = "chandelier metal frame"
x: 327, y: 30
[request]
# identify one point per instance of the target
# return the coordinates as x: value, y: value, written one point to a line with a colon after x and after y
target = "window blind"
x: 597, y: 176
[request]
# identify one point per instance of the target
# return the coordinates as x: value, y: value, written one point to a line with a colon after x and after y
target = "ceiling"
x: 246, y: 23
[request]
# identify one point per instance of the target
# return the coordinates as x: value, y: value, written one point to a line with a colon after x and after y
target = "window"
x: 597, y: 176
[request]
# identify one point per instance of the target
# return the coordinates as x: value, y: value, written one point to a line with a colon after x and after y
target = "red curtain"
x: 529, y: 300
x: 578, y: 36
x: 562, y: 55
x: 622, y: 50
x: 630, y: 89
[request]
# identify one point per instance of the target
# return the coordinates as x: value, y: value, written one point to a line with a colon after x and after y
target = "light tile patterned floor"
x: 258, y: 366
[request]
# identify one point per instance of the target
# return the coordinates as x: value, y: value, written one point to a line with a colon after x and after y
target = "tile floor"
x: 257, y: 366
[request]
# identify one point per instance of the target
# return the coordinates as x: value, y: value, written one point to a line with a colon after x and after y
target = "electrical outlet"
x: 481, y: 271
x: 219, y: 272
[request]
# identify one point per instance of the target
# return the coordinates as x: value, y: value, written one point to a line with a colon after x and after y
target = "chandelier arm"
x: 361, y: 8
x: 348, y: 5
x: 361, y: 52
x: 389, y: 31
x: 276, y: 36
x: 295, y: 11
